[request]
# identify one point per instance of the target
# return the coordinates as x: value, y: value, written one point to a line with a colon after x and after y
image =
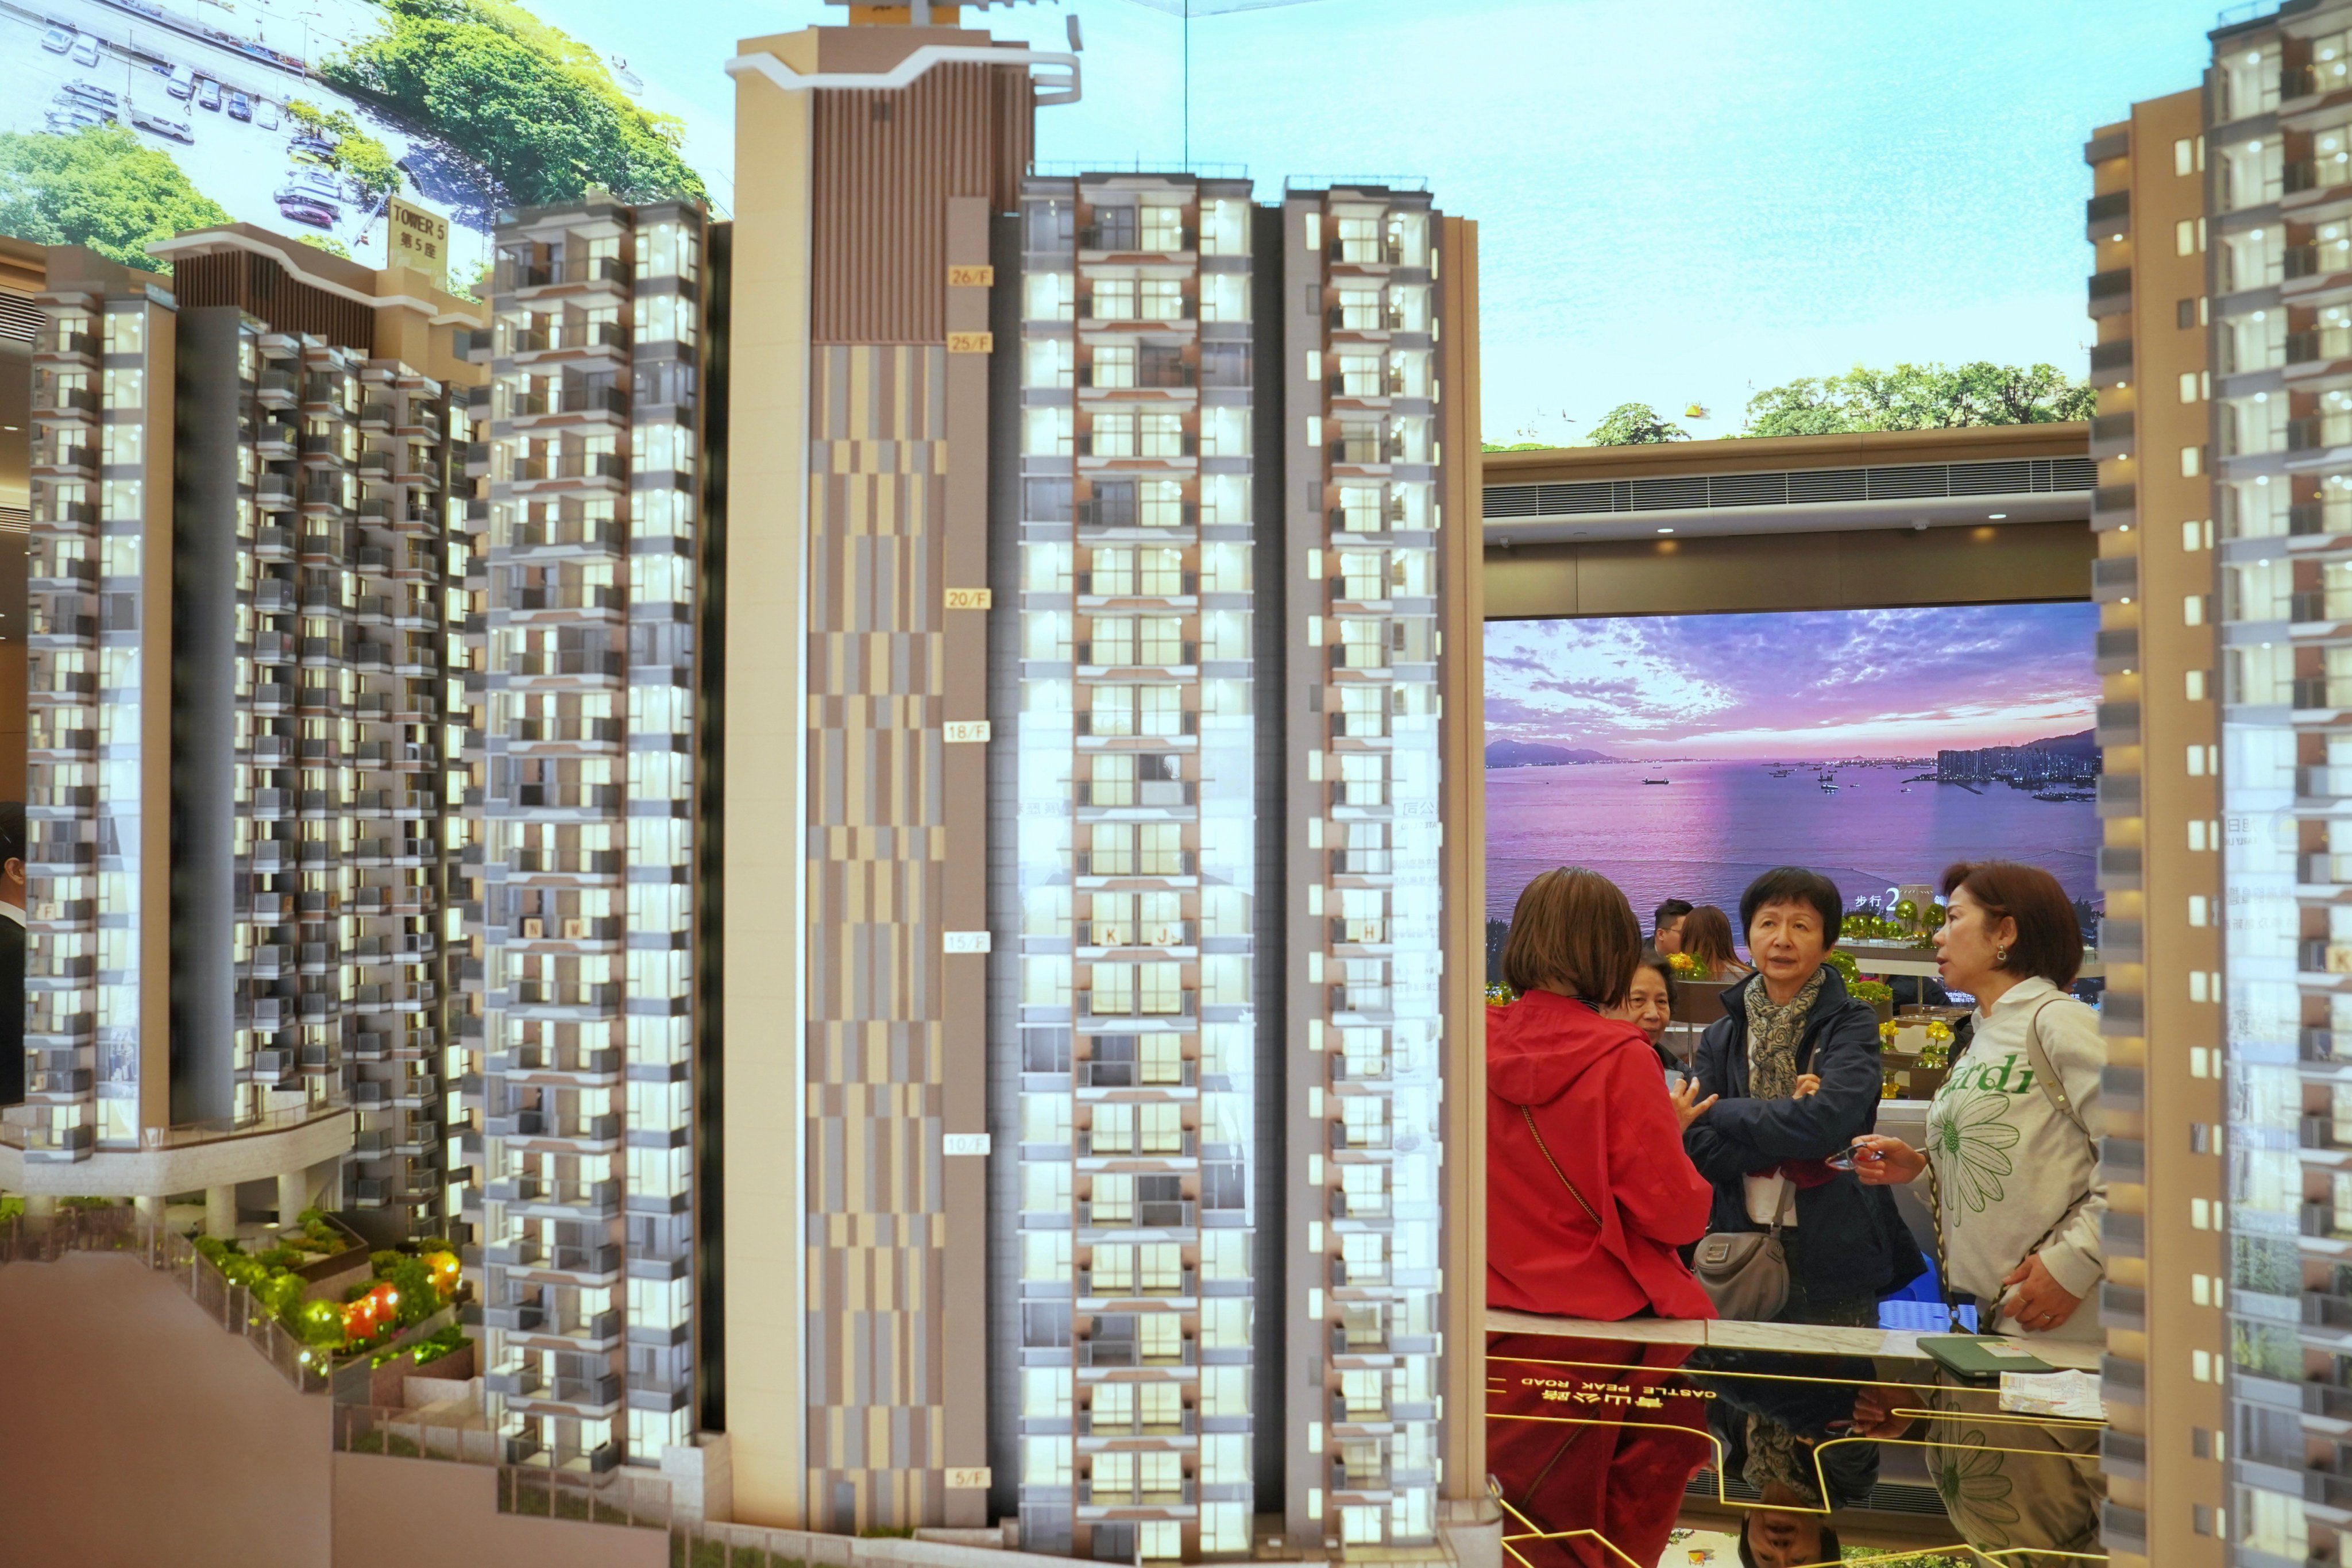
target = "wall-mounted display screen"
x: 1681, y: 755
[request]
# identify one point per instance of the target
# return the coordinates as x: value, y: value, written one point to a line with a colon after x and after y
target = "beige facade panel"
x: 763, y: 925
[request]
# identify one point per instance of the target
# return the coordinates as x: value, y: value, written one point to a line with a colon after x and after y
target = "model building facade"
x: 585, y: 712
x: 242, y: 649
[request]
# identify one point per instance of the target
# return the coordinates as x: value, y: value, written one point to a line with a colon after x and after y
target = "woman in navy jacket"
x: 1794, y: 1063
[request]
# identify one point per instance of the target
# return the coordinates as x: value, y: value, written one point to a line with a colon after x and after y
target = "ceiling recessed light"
x: 1665, y: 530
x: 1996, y: 516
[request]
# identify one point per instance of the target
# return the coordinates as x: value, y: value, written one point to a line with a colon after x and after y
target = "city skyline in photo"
x: 1790, y: 685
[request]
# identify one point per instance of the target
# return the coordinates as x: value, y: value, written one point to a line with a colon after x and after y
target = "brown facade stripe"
x: 885, y: 166
x: 260, y: 288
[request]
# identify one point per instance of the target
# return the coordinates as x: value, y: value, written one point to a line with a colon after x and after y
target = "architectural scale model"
x: 873, y: 806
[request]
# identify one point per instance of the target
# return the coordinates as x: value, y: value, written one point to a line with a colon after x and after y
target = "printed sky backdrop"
x: 1801, y: 685
x: 1677, y: 203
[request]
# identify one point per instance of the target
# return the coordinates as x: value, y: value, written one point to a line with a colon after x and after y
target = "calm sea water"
x: 1708, y: 833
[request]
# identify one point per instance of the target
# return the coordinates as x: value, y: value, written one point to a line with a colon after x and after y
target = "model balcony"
x: 574, y: 535
x: 1112, y: 725
x: 1135, y: 1424
x: 1141, y: 1214
x: 662, y: 1395
x: 50, y: 572
x: 1129, y: 1143
x: 513, y: 276
x: 586, y: 1398
x: 568, y: 336
x: 63, y: 450
x: 1128, y: 1352
x: 1160, y: 794
x: 1131, y: 655
x: 1185, y: 1074
x: 607, y: 469
x: 609, y: 402
x: 526, y: 1188
x: 1137, y: 586
x: 52, y: 401
x: 1142, y: 1493
x: 65, y: 342
x: 518, y: 1317
x: 517, y: 1378
x: 594, y: 664
x: 1100, y: 1004
x: 598, y: 1265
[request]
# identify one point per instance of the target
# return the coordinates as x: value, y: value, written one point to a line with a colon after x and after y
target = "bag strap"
x: 1943, y: 1268
x: 2052, y: 1084
x: 1528, y: 1112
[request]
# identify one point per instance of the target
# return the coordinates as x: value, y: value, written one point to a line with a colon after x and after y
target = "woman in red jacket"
x: 1588, y: 1193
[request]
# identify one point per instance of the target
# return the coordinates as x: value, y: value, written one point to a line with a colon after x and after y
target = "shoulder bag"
x: 1744, y: 1272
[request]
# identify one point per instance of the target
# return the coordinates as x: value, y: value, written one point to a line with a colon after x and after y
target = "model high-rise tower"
x: 1100, y: 627
x: 589, y: 734
x: 2224, y: 222
x: 241, y: 821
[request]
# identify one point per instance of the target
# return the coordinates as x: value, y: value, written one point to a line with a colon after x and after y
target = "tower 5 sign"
x: 420, y: 240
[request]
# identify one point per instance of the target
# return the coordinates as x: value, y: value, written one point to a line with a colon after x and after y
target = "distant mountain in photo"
x: 1535, y: 754
x: 2079, y: 745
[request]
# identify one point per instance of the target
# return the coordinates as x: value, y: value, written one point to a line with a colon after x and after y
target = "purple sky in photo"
x: 1799, y: 685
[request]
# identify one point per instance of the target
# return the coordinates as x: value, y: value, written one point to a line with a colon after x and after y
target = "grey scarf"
x: 1773, y: 1031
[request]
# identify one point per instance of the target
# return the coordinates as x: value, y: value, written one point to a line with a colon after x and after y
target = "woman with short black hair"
x: 1589, y: 1194
x: 1794, y: 1060
x: 2013, y: 1169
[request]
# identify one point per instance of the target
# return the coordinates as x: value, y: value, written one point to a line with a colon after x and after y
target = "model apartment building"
x: 873, y: 805
x: 2224, y: 293
x: 240, y: 820
x: 584, y: 746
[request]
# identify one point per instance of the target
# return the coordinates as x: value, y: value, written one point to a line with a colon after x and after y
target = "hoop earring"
x: 2001, y: 958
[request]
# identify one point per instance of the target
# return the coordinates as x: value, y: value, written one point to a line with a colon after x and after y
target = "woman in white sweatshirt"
x: 2013, y: 1161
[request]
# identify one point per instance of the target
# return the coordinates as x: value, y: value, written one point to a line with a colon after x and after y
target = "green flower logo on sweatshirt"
x: 1975, y: 1494
x: 1969, y: 1136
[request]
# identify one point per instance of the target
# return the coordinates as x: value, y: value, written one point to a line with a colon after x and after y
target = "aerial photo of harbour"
x: 1681, y: 756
